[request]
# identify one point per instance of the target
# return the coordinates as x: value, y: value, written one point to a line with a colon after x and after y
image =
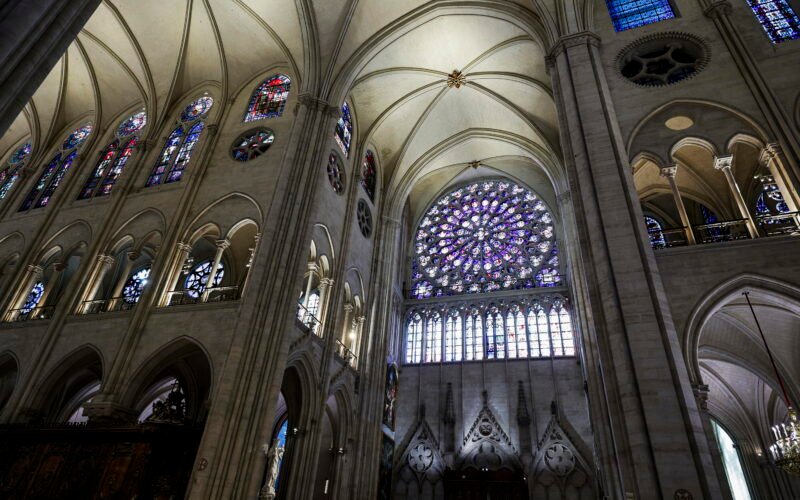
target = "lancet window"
x: 114, y: 157
x: 344, y: 130
x: 56, y: 169
x: 655, y: 231
x: 628, y: 14
x: 369, y: 175
x: 14, y: 165
x: 183, y: 140
x: 531, y: 328
x: 269, y: 99
x: 777, y: 18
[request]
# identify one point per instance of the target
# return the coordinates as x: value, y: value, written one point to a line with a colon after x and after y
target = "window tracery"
x: 269, y: 99
x: 369, y: 175
x: 777, y: 18
x: 33, y: 299
x: 655, y: 232
x: 484, y: 237
x: 183, y: 139
x: 114, y: 157
x: 252, y: 145
x: 54, y: 172
x: 344, y: 130
x: 335, y: 173
x: 14, y: 165
x: 197, y: 281
x: 628, y: 14
x: 132, y: 291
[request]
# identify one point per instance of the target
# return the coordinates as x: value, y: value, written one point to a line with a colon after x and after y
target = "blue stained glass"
x: 269, y: 99
x: 106, y: 159
x: 777, y: 18
x: 656, y: 232
x: 34, y: 297
x: 344, y: 130
x: 132, y: 124
x: 198, y: 279
x: 197, y: 109
x: 281, y: 437
x: 77, y: 138
x: 132, y: 291
x: 185, y: 153
x: 165, y: 158
x: 484, y: 237
x: 770, y: 201
x: 628, y: 14
x: 20, y: 154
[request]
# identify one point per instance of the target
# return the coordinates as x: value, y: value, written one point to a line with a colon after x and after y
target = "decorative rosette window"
x: 494, y: 244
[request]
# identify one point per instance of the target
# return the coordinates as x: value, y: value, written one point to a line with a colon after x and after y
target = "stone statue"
x: 274, y: 455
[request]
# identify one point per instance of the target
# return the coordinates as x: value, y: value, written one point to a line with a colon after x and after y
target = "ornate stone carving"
x: 558, y: 462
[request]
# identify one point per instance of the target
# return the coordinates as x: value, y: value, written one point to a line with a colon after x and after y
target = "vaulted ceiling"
x: 390, y: 59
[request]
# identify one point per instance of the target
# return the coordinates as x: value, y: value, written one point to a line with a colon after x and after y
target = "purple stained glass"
x: 49, y: 169
x: 269, y: 99
x: 56, y: 179
x: 132, y: 124
x: 628, y: 14
x: 20, y: 154
x: 344, y: 130
x: 197, y: 109
x: 484, y: 237
x: 185, y: 153
x: 777, y: 18
x: 106, y: 159
x: 369, y: 175
x: 76, y: 138
x: 165, y: 158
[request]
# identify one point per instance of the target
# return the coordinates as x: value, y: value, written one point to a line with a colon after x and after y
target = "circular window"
x: 336, y: 174
x: 252, y: 145
x: 364, y: 218
x: 662, y: 59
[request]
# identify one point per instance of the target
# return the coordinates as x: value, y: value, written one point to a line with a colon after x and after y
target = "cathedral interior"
x: 418, y: 249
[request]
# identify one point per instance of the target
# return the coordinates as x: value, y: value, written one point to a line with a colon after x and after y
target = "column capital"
x: 59, y: 266
x: 35, y: 270
x: 184, y: 247
x: 105, y: 259
x: 348, y: 308
x: 569, y: 41
x: 223, y: 244
x: 718, y: 9
x: 669, y: 170
x: 133, y: 255
x: 564, y: 197
x: 325, y: 282
x: 770, y: 153
x: 723, y: 162
x: 701, y: 394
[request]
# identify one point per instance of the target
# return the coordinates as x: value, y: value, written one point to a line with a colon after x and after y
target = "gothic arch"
x: 715, y: 299
x: 73, y: 236
x: 184, y: 359
x: 226, y: 213
x: 144, y: 226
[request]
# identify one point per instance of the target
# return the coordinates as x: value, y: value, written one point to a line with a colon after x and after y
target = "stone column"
x: 32, y: 275
x: 184, y: 250
x: 724, y: 164
x: 250, y: 264
x: 104, y: 264
x: 647, y: 430
x: 52, y: 283
x: 127, y: 267
x: 348, y: 311
x: 669, y: 173
x: 325, y: 285
x: 222, y: 245
x: 36, y: 33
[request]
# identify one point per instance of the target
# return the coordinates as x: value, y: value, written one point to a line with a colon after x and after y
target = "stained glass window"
x: 777, y: 18
x: 655, y: 231
x: 484, y: 237
x: 197, y: 109
x: 269, y: 99
x: 770, y: 201
x: 453, y: 337
x: 515, y: 334
x: 10, y: 174
x: 474, y: 336
x: 561, y: 332
x: 183, y: 139
x: 197, y: 280
x: 34, y: 296
x: 732, y: 462
x: 307, y: 314
x: 414, y: 339
x: 344, y: 130
x: 538, y: 336
x: 113, y: 158
x: 134, y: 287
x: 252, y: 145
x: 54, y: 172
x: 495, y: 338
x: 433, y: 339
x: 627, y: 14
x: 281, y: 437
x: 369, y: 175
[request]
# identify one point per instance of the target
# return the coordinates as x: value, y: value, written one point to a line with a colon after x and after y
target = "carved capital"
x: 720, y: 8
x: 669, y: 171
x: 184, y: 247
x: 723, y: 162
x: 701, y: 395
x: 223, y: 244
x: 105, y: 260
x: 35, y: 270
x: 564, y: 197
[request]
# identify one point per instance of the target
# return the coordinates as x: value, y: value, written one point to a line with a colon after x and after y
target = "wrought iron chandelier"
x: 785, y: 451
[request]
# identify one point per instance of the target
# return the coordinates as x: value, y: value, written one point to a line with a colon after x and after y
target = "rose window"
x: 335, y: 174
x: 252, y: 145
x: 364, y: 217
x: 484, y: 237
